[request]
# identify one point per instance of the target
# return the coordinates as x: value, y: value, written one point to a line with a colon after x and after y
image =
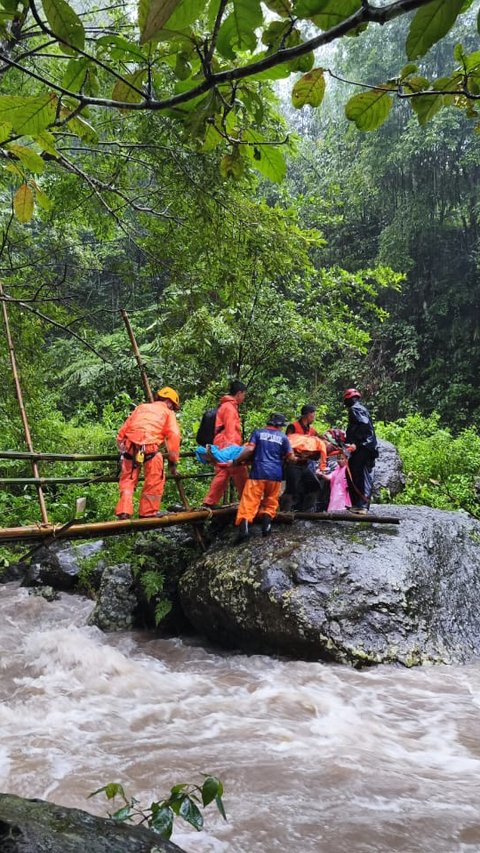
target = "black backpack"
x: 206, y: 430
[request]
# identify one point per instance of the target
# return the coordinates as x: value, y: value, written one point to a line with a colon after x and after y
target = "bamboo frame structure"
x: 23, y: 414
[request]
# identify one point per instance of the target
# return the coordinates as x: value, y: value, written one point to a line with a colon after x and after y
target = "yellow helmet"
x: 169, y: 394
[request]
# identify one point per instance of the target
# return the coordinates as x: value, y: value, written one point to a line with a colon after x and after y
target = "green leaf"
x: 408, y: 69
x: 302, y: 63
x: 369, y: 110
x: 237, y: 32
x: 212, y: 138
x: 29, y: 158
x: 277, y: 72
x: 82, y: 128
x: 472, y: 61
x: 46, y: 141
x: 211, y: 788
x: 120, y: 48
x: 231, y: 166
x: 123, y: 814
x: 162, y: 822
x: 416, y: 84
x: 42, y: 199
x: 426, y: 106
x: 75, y: 74
x: 65, y: 23
x: 122, y: 91
x: 310, y: 89
x: 153, y: 15
x: 5, y: 131
x: 111, y: 790
x: 191, y: 813
x: 23, y: 204
x: 220, y: 807
x: 280, y: 7
x: 429, y: 24
x: 327, y: 13
x: 28, y: 116
x: 268, y: 159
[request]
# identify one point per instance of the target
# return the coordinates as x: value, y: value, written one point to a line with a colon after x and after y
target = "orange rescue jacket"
x: 152, y: 423
x: 228, y: 429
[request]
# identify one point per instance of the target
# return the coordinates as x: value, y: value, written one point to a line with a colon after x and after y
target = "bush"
x: 441, y: 468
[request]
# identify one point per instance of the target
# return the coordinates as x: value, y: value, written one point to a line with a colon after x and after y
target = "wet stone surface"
x: 352, y: 593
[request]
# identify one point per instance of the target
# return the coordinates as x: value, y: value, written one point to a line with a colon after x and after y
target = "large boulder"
x: 35, y: 826
x: 388, y: 472
x: 346, y: 591
x: 59, y: 565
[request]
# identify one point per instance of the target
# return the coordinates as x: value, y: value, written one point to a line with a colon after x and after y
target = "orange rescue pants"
x: 153, y: 483
x: 219, y: 483
x: 258, y: 497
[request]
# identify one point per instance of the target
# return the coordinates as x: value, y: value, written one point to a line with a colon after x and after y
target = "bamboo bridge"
x: 46, y: 532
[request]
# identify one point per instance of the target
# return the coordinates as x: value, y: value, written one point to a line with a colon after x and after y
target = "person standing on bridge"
x: 139, y: 439
x: 228, y: 431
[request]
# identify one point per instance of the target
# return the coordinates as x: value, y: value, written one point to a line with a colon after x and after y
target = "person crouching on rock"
x: 339, y: 493
x: 269, y: 448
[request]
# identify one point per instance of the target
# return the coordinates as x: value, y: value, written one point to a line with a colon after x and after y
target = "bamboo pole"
x: 100, y: 529
x: 149, y: 395
x: 103, y: 478
x: 23, y: 414
x: 71, y: 457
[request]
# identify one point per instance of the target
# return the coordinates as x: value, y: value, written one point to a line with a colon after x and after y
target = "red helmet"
x: 351, y: 392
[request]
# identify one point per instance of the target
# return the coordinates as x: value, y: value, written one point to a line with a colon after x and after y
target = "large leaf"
x: 65, y: 23
x: 123, y: 91
x: 75, y: 74
x: 81, y: 128
x: 46, y: 141
x: 369, y: 110
x: 267, y: 158
x: 28, y: 116
x: 328, y: 13
x: 237, y: 32
x: 153, y: 15
x: 426, y: 106
x: 281, y: 7
x: 429, y: 24
x: 310, y: 89
x: 152, y: 19
x: 191, y: 813
x: 23, y: 203
x: 28, y: 158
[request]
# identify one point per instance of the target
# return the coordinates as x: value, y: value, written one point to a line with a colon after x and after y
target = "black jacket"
x: 360, y: 429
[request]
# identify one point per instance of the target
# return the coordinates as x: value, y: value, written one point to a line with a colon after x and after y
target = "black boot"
x: 266, y: 525
x: 243, y: 531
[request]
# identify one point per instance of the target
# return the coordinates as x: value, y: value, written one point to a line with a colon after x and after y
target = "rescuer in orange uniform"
x: 139, y: 438
x: 228, y: 431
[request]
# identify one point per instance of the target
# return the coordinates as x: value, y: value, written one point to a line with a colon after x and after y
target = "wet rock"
x: 116, y: 602
x: 388, y: 472
x: 35, y: 826
x: 170, y: 553
x: 46, y: 592
x: 59, y: 565
x: 348, y: 592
